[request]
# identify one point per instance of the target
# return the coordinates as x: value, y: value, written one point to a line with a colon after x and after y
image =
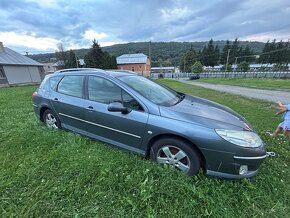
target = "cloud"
x: 29, y: 41
x: 91, y: 34
x: 76, y: 23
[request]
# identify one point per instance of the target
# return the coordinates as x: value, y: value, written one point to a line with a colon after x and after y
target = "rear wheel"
x: 51, y: 120
x: 176, y: 153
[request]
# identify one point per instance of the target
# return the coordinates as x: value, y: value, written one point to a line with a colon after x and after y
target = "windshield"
x: 151, y: 90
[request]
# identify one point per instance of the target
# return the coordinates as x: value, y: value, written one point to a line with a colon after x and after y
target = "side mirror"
x: 118, y: 107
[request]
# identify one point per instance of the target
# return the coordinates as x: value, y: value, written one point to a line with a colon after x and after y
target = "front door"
x: 125, y: 130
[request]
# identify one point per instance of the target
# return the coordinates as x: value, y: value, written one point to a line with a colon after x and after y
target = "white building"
x: 18, y: 69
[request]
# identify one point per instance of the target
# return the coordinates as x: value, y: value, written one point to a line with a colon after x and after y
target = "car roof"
x: 113, y: 72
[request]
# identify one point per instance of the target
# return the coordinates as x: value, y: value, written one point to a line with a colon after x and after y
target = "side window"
x: 44, y: 84
x: 71, y: 85
x: 130, y: 102
x: 103, y: 91
x: 53, y: 82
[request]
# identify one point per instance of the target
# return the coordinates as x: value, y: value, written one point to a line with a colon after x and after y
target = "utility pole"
x: 236, y: 63
x: 150, y: 50
x: 228, y: 59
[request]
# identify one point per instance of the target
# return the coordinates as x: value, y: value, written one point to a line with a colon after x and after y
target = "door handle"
x: 90, y: 108
x: 56, y: 100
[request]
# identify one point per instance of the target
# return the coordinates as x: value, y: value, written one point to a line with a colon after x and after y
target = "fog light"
x: 243, y: 169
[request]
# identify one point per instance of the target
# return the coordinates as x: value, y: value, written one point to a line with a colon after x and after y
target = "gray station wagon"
x: 140, y: 115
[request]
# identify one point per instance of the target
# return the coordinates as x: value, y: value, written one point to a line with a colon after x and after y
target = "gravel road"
x: 267, y: 95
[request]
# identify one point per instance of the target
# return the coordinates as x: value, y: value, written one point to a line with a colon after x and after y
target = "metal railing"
x: 253, y: 74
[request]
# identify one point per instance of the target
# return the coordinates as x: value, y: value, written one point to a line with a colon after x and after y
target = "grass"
x: 258, y: 83
x: 61, y: 174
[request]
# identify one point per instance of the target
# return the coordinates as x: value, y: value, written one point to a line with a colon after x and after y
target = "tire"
x: 177, y: 153
x: 51, y: 120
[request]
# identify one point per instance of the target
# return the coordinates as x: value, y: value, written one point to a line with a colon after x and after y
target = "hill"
x: 163, y: 53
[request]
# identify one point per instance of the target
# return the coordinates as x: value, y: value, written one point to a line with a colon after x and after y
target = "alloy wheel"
x: 51, y: 121
x: 173, y: 156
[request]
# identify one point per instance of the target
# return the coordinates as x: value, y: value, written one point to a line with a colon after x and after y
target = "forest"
x: 162, y: 53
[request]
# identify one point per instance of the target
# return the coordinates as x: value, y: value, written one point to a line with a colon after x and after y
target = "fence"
x: 268, y: 74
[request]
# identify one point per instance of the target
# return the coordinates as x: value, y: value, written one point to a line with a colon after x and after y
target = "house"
x: 48, y: 68
x: 138, y: 63
x: 18, y: 69
x: 59, y: 65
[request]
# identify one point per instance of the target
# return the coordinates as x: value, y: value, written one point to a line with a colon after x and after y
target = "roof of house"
x: 10, y: 57
x: 138, y: 58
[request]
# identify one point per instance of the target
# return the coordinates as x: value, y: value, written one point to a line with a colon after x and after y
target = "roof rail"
x: 125, y: 71
x: 79, y: 69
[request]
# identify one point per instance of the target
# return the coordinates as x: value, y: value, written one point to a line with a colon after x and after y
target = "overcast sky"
x: 39, y: 25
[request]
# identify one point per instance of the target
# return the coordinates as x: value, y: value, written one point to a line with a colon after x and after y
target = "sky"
x: 39, y: 26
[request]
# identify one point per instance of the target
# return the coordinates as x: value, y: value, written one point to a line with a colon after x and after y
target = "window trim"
x: 83, y: 86
x: 86, y: 92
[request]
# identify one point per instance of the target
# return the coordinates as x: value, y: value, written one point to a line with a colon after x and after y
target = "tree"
x: 108, y: 62
x: 216, y: 55
x: 197, y: 67
x: 234, y: 51
x: 71, y: 61
x: 272, y: 55
x: 61, y: 54
x: 265, y: 56
x: 243, y: 66
x: 188, y: 60
x: 94, y: 57
x: 224, y: 54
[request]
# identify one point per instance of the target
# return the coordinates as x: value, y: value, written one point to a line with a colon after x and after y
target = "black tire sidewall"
x: 190, y: 151
x: 48, y: 111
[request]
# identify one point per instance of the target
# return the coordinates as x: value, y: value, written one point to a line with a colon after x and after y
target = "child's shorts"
x: 285, y: 126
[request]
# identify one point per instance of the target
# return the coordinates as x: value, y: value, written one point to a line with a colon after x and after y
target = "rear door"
x: 125, y: 130
x: 68, y: 101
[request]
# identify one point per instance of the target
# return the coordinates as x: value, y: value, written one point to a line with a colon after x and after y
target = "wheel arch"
x: 41, y: 112
x: 161, y: 136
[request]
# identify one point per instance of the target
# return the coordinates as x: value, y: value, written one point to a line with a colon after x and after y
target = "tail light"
x: 34, y: 94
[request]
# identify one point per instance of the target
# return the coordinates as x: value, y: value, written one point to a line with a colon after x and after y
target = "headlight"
x: 241, y: 138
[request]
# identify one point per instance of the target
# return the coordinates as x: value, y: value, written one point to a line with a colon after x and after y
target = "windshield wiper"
x: 181, y: 97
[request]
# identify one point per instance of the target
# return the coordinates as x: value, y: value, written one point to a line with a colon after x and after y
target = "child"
x: 285, y: 125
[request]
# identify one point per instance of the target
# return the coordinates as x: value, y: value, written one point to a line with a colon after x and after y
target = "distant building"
x: 82, y: 62
x: 165, y: 70
x: 59, y: 65
x: 138, y: 63
x: 18, y: 69
x: 48, y: 68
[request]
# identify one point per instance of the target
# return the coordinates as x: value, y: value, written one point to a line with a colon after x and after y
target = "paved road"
x: 267, y: 95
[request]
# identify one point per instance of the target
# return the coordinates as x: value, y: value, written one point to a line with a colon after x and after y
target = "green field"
x: 258, y: 83
x: 48, y: 173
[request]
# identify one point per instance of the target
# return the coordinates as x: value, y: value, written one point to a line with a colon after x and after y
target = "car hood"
x: 204, y: 112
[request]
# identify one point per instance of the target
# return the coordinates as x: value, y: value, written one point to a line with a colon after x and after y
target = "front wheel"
x: 51, y: 120
x: 176, y: 153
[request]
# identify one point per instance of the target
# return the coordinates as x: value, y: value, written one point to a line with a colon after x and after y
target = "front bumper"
x: 252, y: 164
